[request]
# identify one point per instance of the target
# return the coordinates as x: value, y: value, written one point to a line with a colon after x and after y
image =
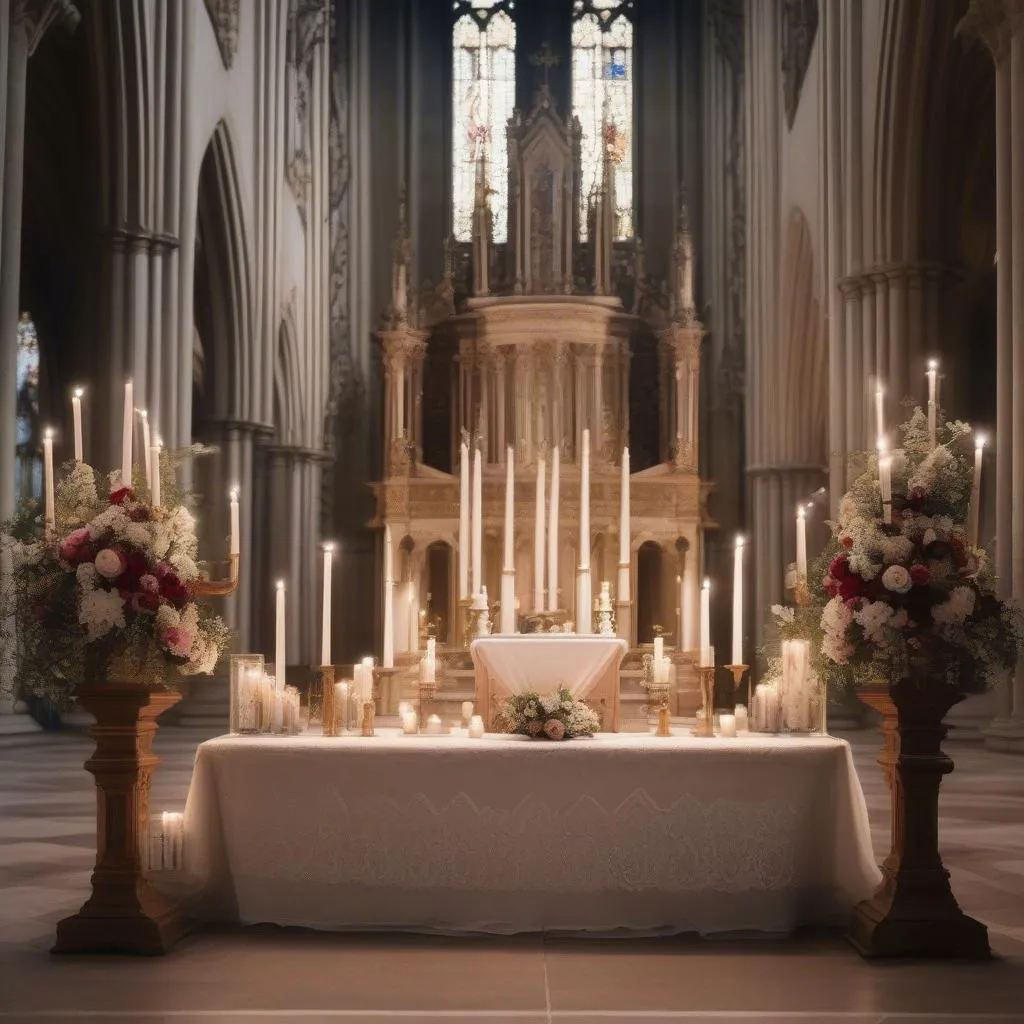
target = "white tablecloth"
x: 587, y: 665
x: 504, y: 834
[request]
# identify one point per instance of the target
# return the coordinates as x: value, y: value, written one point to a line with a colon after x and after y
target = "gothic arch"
x: 287, y: 374
x: 222, y: 285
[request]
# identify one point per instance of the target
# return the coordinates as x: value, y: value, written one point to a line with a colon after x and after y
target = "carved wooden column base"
x: 124, y: 914
x: 914, y: 911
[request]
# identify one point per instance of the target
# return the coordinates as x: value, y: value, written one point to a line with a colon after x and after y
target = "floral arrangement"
x: 556, y: 716
x: 111, y: 587
x: 912, y: 596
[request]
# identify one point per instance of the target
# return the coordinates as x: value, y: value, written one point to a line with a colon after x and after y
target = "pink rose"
x: 110, y: 563
x: 177, y: 641
x: 74, y: 549
x: 554, y: 729
x: 149, y: 583
x: 534, y: 728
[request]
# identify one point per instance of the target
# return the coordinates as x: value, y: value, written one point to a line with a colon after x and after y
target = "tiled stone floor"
x: 271, y: 977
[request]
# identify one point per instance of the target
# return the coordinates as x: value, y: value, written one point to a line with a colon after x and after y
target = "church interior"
x: 509, y: 510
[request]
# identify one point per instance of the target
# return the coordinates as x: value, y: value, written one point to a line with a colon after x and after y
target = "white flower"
x: 203, y: 657
x: 86, y: 574
x: 957, y: 609
x: 551, y: 703
x: 109, y: 564
x: 166, y: 617
x: 836, y: 617
x: 783, y: 614
x: 836, y: 649
x: 184, y: 566
x: 873, y: 617
x: 896, y: 549
x: 928, y: 537
x: 863, y: 561
x: 137, y: 535
x: 27, y: 554
x: 161, y: 538
x: 897, y: 579
x: 530, y: 711
x: 101, y: 611
x: 110, y: 520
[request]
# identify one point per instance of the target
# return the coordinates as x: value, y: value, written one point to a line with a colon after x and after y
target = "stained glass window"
x: 483, y: 97
x: 602, y: 99
x: 28, y: 482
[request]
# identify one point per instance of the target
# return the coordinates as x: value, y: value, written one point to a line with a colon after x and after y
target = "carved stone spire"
x: 684, y: 308
x: 481, y: 228
x: 400, y: 262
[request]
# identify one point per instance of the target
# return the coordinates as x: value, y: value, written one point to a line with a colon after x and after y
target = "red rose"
x: 172, y: 590
x: 839, y: 568
x: 145, y: 602
x: 920, y: 574
x: 121, y: 495
x: 136, y: 566
x: 847, y: 542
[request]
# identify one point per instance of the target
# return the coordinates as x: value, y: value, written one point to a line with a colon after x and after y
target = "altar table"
x: 587, y: 665
x: 616, y: 834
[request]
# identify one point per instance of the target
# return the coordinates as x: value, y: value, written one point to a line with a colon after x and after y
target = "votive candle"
x: 727, y: 726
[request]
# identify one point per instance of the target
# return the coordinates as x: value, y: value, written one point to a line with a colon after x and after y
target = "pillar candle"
x: 279, y: 639
x: 154, y: 459
x: 659, y: 650
x: 885, y: 479
x: 737, y: 604
x: 50, y: 515
x: 76, y: 413
x: 705, y: 623
x: 624, y: 532
x: 476, y: 567
x: 463, y: 521
x: 585, y: 503
x: 388, y: 650
x: 127, y: 427
x: 727, y: 726
x: 476, y: 727
x: 538, y: 542
x: 801, y: 543
x: 510, y: 490
x: 146, y: 445
x: 933, y: 400
x: 553, y: 532
x: 235, y: 543
x: 879, y: 411
x: 325, y: 647
x: 975, y: 512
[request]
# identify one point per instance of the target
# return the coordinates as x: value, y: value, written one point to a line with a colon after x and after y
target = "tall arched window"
x: 28, y: 481
x: 483, y: 97
x: 602, y: 99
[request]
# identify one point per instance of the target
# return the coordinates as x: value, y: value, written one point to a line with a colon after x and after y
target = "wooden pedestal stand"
x: 124, y: 914
x: 914, y: 912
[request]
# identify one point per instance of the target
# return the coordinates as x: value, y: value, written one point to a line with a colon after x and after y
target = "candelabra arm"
x: 219, y: 588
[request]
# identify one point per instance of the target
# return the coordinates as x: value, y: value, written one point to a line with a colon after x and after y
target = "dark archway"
x: 649, y: 592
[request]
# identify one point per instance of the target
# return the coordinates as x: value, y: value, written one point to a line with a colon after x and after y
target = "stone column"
x: 998, y: 24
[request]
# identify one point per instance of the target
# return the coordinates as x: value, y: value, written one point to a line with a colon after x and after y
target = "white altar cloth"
x: 587, y: 665
x: 619, y: 833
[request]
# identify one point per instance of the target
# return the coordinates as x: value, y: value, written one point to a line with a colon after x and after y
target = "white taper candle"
x: 538, y: 541
x: 154, y: 459
x: 280, y: 656
x: 933, y: 400
x: 737, y: 604
x: 49, y: 512
x: 510, y: 491
x: 885, y: 479
x: 234, y: 545
x: 801, y: 543
x: 463, y: 521
x: 585, y: 503
x: 624, y: 534
x: 706, y: 657
x: 879, y: 411
x: 76, y: 413
x: 974, y: 518
x: 127, y: 429
x: 325, y: 646
x: 146, y: 445
x: 388, y: 653
x: 477, y: 525
x: 553, y: 531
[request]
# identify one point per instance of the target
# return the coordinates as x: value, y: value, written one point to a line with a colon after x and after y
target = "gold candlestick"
x: 219, y: 588
x: 664, y: 721
x: 737, y: 679
x: 706, y: 727
x: 328, y: 705
x: 368, y: 717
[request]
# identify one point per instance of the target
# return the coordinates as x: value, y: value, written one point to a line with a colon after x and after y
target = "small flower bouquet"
x: 912, y: 596
x: 111, y: 587
x: 556, y: 716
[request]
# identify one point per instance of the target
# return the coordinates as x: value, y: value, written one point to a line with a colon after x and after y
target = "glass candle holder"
x: 166, y: 850
x: 246, y: 679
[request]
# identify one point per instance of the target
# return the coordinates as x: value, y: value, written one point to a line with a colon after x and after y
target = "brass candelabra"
x: 705, y: 726
x: 220, y: 588
x: 737, y: 679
